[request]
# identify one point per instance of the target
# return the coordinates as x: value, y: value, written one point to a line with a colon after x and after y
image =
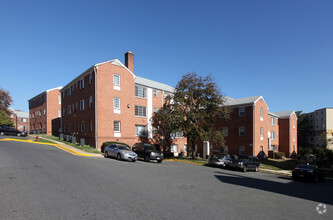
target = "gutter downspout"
x: 47, y: 108
x: 95, y: 71
x: 253, y: 130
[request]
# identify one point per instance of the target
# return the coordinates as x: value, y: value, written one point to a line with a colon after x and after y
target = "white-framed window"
x: 82, y: 105
x: 69, y: 110
x: 116, y: 126
x: 224, y: 131
x: 273, y: 135
x: 241, y: 112
x: 82, y: 126
x: 293, y: 136
x: 59, y: 99
x: 116, y: 103
x: 261, y: 114
x: 40, y: 113
x: 241, y: 131
x: 242, y: 150
x: 140, y: 91
x: 273, y: 121
x: 91, y: 125
x: 155, y: 110
x: 140, y: 111
x: 44, y: 111
x: 69, y: 92
x: 33, y: 115
x: 76, y: 106
x: 69, y: 127
x: 82, y: 83
x: 116, y: 79
x: 90, y: 102
x: 174, y: 148
x: 155, y: 92
x: 141, y: 130
x: 90, y: 78
x: 179, y: 134
x: 59, y: 112
x: 261, y: 132
x: 294, y: 122
x: 23, y: 120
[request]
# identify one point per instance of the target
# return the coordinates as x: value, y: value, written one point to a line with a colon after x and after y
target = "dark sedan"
x: 4, y: 130
x: 308, y: 172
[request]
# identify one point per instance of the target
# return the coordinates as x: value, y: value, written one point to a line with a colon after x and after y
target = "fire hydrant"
x: 37, y: 138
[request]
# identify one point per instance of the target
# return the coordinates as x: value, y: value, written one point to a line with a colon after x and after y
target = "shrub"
x: 105, y: 144
x: 279, y: 155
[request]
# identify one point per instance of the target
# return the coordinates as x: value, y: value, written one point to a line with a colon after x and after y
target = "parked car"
x: 246, y: 162
x: 4, y: 130
x: 308, y: 172
x: 148, y: 152
x: 121, y: 152
x: 220, y: 160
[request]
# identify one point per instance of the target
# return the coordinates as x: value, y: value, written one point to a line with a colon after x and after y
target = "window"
x: 33, y: 115
x: 241, y: 112
x: 59, y: 112
x: 155, y: 130
x: 68, y: 110
x: 179, y: 134
x: 225, y: 131
x: 116, y: 80
x: 174, y: 148
x: 40, y: 125
x: 261, y: 148
x: 69, y: 127
x: 242, y: 131
x: 44, y: 111
x: 116, y: 126
x: 59, y: 99
x: 294, y: 123
x: 63, y: 111
x: 155, y: 92
x: 155, y: 110
x: 69, y: 92
x: 90, y: 102
x: 241, y: 150
x: 140, y: 111
x: 91, y: 125
x: 82, y: 126
x: 165, y: 94
x: 73, y: 109
x: 82, y: 84
x: 40, y: 113
x: 23, y: 120
x: 76, y: 106
x: 82, y: 105
x: 116, y: 103
x: 140, y: 130
x: 90, y: 78
x: 273, y: 121
x: 261, y: 132
x: 140, y: 91
x: 293, y: 136
x: 273, y: 135
x: 261, y: 114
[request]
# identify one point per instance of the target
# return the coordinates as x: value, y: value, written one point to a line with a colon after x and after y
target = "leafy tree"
x: 5, y: 120
x: 303, y: 129
x: 193, y: 109
x: 5, y: 100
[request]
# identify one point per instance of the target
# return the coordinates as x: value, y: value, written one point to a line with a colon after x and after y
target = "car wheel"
x: 118, y: 157
x: 159, y: 161
x: 256, y: 169
x: 133, y: 160
x: 244, y: 169
x: 2, y: 134
x: 106, y: 155
x: 147, y: 159
x: 18, y: 134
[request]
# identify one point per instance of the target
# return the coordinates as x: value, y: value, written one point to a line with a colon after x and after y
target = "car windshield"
x: 304, y: 166
x: 149, y: 147
x: 122, y: 147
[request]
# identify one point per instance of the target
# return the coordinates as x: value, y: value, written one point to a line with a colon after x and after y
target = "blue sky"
x: 282, y: 50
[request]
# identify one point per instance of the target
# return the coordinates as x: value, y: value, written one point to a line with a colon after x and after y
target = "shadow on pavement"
x: 320, y: 192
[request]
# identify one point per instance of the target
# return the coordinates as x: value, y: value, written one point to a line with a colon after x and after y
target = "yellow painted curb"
x: 56, y: 145
x: 184, y: 161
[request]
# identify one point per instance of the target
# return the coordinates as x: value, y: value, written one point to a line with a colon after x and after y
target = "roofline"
x: 261, y: 97
x: 76, y: 78
x: 46, y: 91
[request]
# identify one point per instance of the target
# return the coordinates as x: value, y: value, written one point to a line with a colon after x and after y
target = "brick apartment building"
x: 43, y: 108
x: 253, y: 130
x: 20, y: 119
x: 108, y: 102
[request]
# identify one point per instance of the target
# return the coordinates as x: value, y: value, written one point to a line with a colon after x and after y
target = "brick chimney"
x: 129, y: 61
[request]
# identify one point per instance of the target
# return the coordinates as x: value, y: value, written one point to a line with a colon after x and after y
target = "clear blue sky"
x: 282, y: 50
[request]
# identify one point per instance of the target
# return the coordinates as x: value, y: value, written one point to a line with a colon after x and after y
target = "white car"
x: 121, y: 152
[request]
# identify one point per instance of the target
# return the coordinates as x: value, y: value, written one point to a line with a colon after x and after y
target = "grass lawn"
x: 189, y: 159
x: 85, y: 148
x: 279, y: 164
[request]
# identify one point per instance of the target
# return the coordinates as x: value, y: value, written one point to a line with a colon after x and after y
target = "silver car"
x: 121, y: 152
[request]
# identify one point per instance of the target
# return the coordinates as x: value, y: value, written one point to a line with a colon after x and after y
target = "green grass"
x: 40, y: 140
x: 279, y: 164
x: 189, y: 159
x: 85, y: 148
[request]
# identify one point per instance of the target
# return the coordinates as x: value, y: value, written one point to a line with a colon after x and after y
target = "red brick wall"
x: 53, y: 107
x: 274, y: 128
x: 258, y: 123
x: 288, y: 135
x: 38, y: 104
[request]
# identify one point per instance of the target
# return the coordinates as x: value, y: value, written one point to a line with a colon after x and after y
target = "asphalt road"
x: 44, y: 182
